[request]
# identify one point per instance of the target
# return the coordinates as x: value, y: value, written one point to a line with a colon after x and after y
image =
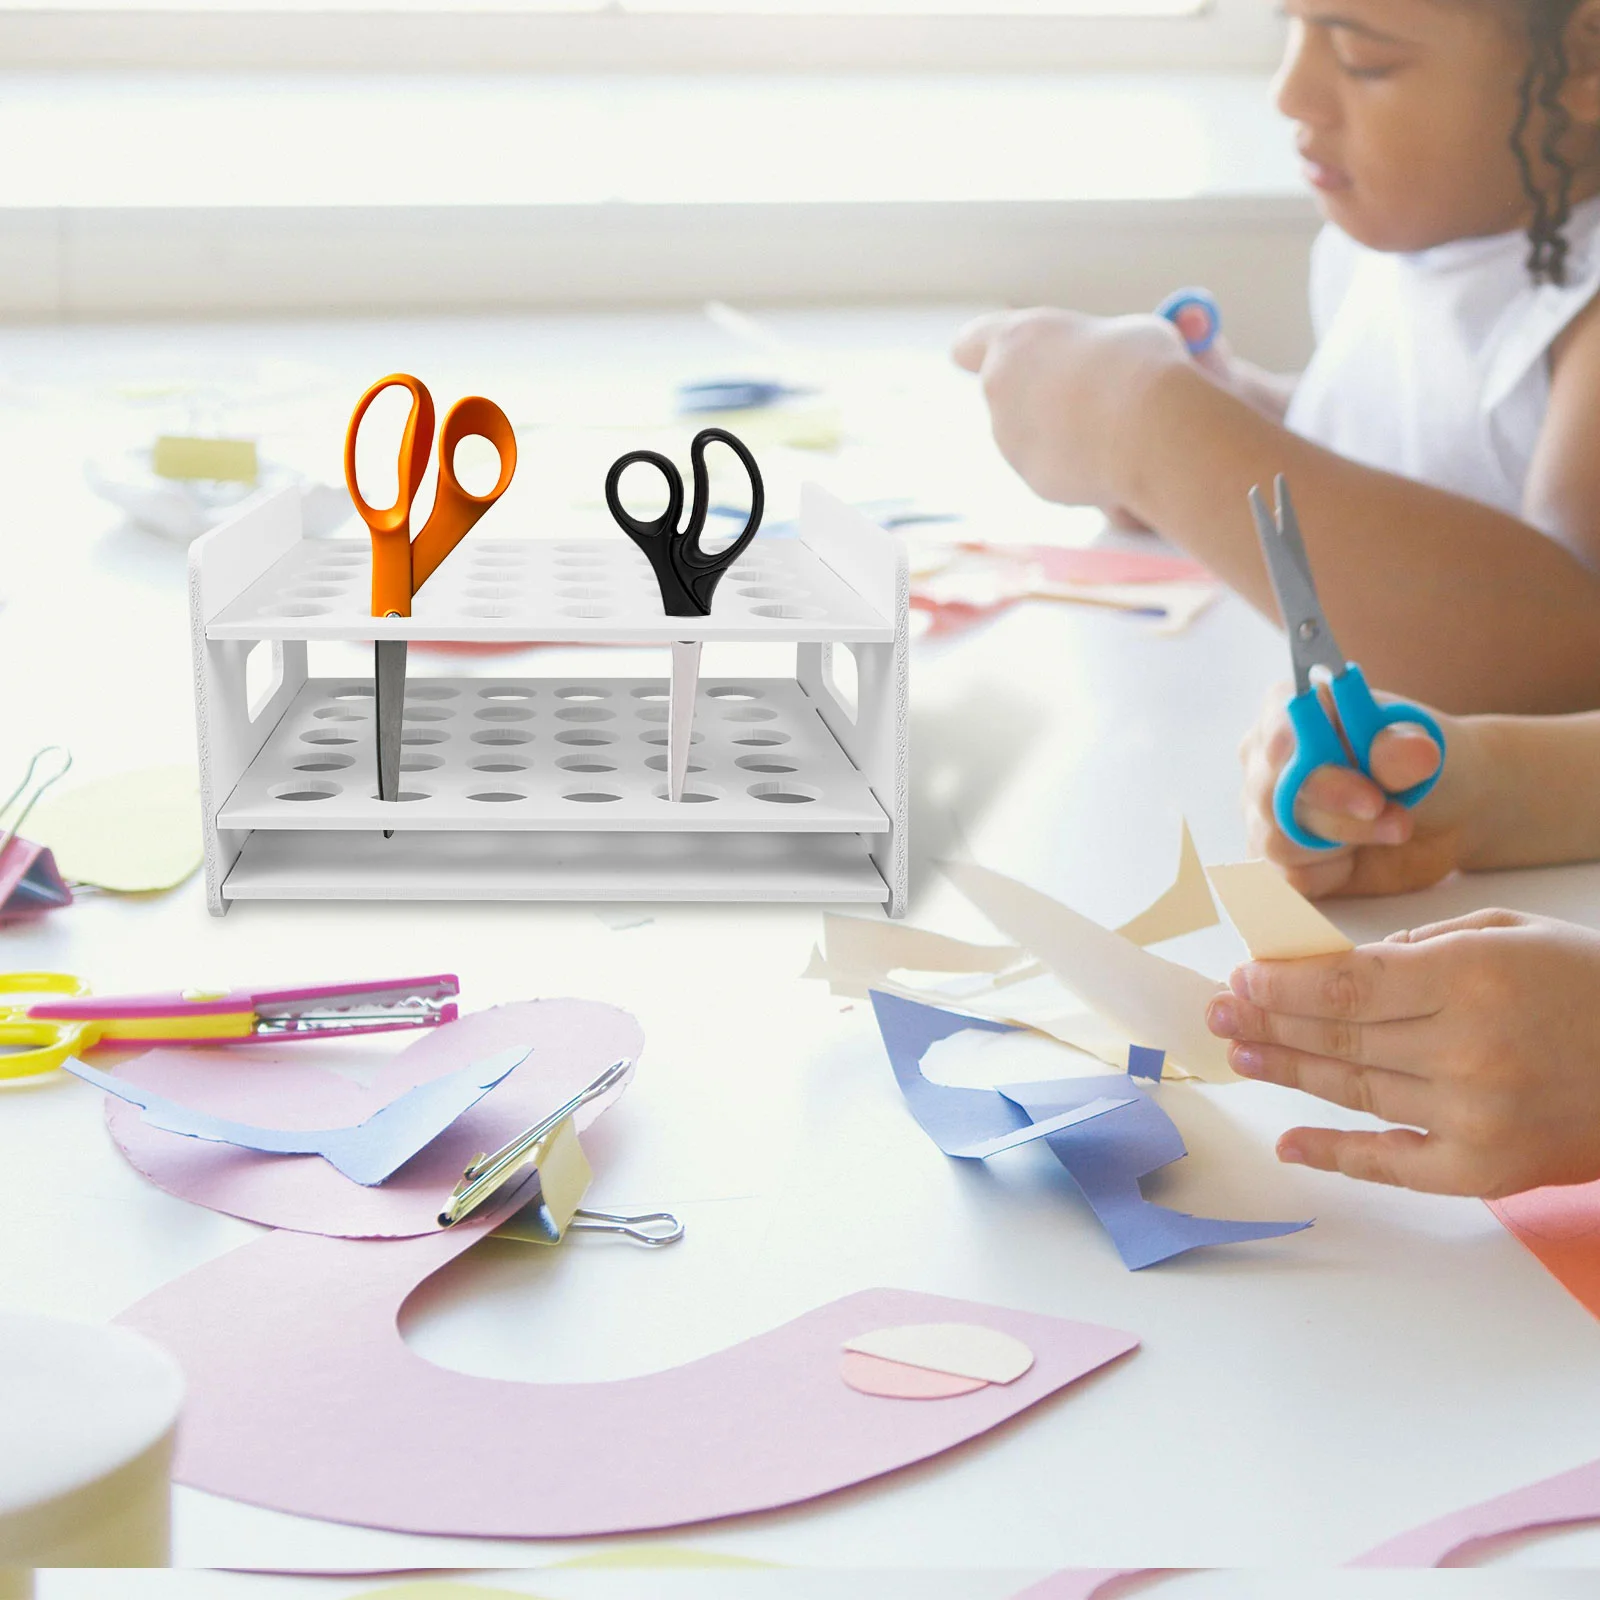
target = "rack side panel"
x: 222, y: 564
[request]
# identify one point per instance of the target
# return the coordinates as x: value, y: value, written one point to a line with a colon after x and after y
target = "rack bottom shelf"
x: 801, y: 868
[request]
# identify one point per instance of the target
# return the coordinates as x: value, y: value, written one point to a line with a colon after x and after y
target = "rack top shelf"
x: 567, y: 591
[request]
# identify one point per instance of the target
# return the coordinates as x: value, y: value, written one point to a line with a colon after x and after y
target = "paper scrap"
x: 572, y: 1042
x: 893, y: 1380
x: 1186, y: 907
x: 133, y: 833
x: 304, y: 1398
x: 964, y: 1349
x: 1153, y: 1002
x: 1560, y: 1227
x: 1276, y: 921
x: 1145, y: 1063
x: 1105, y: 1157
x: 220, y: 460
x: 367, y: 1152
x: 1087, y: 1583
x: 1569, y: 1497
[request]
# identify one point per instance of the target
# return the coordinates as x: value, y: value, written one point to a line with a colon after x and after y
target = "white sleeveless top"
x: 1435, y: 365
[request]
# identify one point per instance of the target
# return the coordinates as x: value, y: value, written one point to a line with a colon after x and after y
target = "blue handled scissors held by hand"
x: 686, y: 571
x: 1318, y: 741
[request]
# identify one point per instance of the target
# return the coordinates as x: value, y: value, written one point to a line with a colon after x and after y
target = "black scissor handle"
x: 686, y: 571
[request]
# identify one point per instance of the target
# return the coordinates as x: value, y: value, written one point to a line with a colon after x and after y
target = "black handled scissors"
x: 687, y: 572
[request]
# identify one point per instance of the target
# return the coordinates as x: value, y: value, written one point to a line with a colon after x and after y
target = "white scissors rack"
x: 553, y: 788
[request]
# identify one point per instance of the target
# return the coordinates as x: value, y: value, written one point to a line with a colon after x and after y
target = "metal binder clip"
x: 652, y: 1229
x: 62, y: 768
x: 489, y: 1174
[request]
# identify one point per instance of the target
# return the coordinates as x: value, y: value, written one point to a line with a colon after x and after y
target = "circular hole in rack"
x: 750, y: 714
x: 502, y: 736
x: 585, y: 550
x: 328, y: 761
x: 766, y: 591
x: 585, y: 738
x: 505, y: 691
x: 585, y: 714
x: 661, y: 736
x: 429, y: 691
x: 420, y: 763
x: 327, y: 736
x: 784, y: 792
x: 297, y: 608
x: 585, y: 764
x: 700, y: 794
x: 352, y: 691
x: 590, y: 796
x: 503, y: 547
x: 592, y: 612
x: 497, y: 796
x: 490, y: 591
x: 762, y: 764
x: 404, y: 794
x: 732, y: 691
x: 582, y: 692
x: 789, y: 613
x: 651, y: 692
x: 426, y: 713
x: 506, y: 713
x: 498, y: 560
x: 659, y: 764
x: 584, y: 592
x: 305, y: 789
x: 316, y: 591
x: 424, y: 736
x: 491, y: 610
x: 498, y: 764
x: 654, y: 713
x: 338, y: 714
x: 761, y: 738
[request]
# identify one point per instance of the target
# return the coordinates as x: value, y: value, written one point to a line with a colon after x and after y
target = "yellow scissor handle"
x: 51, y: 1042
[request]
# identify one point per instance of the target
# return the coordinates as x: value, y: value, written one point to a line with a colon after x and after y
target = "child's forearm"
x: 1437, y: 596
x: 1541, y: 791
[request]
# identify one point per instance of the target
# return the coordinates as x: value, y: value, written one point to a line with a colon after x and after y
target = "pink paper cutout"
x: 894, y: 1380
x: 1568, y: 1497
x: 1560, y: 1228
x: 1094, y: 565
x: 1088, y: 1583
x: 303, y: 1397
x: 572, y: 1042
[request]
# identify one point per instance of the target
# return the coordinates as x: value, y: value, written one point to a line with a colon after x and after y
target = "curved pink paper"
x: 1087, y: 1583
x: 894, y: 1380
x: 572, y: 1042
x: 1570, y: 1211
x: 1566, y: 1498
x: 303, y: 1397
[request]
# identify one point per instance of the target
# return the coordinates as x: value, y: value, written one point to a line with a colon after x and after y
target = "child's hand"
x: 1483, y: 1032
x: 1383, y: 847
x: 1063, y: 390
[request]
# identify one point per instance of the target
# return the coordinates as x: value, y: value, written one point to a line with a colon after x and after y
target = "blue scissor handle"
x: 1317, y: 744
x: 1196, y: 315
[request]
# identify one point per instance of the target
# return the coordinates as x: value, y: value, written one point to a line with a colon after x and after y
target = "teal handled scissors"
x: 1318, y: 741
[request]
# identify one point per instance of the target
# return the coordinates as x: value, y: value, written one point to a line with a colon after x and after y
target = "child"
x: 1441, y: 444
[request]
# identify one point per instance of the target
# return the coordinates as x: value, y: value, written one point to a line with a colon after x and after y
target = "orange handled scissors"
x: 401, y: 564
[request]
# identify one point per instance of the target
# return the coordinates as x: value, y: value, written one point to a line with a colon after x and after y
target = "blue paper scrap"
x: 1105, y: 1155
x: 1143, y: 1062
x: 366, y: 1152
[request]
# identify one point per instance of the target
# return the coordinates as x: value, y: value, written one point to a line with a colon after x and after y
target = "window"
x: 643, y: 35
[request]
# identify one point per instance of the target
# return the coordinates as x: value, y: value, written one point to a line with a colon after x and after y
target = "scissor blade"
x: 388, y: 710
x: 1310, y: 643
x: 680, y: 714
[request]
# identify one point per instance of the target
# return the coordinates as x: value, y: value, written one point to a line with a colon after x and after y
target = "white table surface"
x: 1294, y: 1402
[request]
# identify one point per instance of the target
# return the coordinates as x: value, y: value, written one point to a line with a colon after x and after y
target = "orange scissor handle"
x: 400, y: 566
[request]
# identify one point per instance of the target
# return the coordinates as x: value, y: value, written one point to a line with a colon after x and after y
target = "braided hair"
x: 1540, y: 91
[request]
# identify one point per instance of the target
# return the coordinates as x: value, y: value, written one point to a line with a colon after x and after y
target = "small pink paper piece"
x: 304, y: 1398
x: 571, y: 1043
x: 1560, y: 1228
x: 30, y: 881
x: 894, y: 1380
x: 1569, y: 1497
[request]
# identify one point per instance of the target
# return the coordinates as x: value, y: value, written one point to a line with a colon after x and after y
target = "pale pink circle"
x: 894, y: 1380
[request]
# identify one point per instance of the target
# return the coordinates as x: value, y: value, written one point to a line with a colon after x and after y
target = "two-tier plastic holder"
x: 554, y: 788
